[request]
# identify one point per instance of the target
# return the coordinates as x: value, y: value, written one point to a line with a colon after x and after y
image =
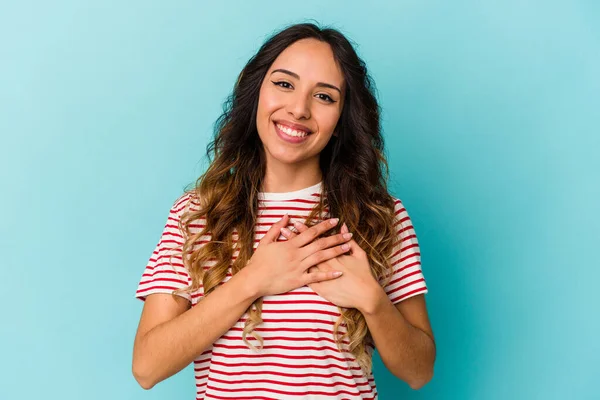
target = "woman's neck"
x: 289, y: 178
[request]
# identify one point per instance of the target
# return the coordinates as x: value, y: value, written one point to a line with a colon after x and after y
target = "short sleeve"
x: 165, y: 271
x: 407, y: 278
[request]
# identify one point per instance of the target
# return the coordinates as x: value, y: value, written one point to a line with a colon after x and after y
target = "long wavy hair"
x: 354, y: 169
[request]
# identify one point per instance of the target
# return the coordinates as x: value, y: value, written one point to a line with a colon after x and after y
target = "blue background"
x: 491, y: 115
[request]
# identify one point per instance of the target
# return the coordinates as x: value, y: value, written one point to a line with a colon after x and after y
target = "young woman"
x: 289, y: 262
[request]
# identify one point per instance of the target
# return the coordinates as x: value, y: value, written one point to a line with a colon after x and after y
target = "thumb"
x: 275, y: 230
x: 344, y: 228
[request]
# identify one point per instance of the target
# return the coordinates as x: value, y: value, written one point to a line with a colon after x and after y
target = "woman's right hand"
x: 278, y: 267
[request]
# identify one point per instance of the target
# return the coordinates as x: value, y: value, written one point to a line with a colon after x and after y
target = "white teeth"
x: 291, y: 132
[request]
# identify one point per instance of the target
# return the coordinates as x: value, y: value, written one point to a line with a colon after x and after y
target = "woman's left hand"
x: 356, y: 288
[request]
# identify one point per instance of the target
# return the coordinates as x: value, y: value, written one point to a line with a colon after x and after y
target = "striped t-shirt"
x: 299, y: 359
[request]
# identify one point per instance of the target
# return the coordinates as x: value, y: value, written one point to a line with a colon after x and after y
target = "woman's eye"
x: 287, y: 85
x: 283, y: 84
x: 325, y: 97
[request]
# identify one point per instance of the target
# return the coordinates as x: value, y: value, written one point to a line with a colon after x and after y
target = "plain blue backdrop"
x: 491, y: 119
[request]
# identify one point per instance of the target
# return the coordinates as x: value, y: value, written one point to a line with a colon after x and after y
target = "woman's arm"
x: 402, y: 336
x: 402, y: 333
x: 170, y: 335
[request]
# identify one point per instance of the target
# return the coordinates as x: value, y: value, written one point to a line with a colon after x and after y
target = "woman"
x: 252, y: 279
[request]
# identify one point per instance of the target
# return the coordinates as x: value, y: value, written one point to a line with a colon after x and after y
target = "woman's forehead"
x: 311, y: 60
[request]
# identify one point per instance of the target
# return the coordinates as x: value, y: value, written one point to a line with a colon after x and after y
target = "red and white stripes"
x: 299, y: 358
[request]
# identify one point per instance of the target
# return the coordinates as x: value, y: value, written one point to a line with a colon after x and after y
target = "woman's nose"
x: 299, y: 107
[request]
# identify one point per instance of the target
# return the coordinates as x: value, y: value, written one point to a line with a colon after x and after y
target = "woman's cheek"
x: 272, y: 99
x: 327, y: 122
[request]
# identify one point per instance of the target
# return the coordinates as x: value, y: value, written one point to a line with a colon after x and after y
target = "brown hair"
x: 353, y: 165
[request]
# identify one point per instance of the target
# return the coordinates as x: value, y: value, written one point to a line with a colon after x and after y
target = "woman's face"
x: 300, y: 102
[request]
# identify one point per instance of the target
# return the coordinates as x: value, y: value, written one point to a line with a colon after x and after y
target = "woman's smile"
x: 290, y: 135
x: 299, y: 105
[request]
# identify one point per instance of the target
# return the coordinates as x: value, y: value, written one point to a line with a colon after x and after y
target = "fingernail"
x: 285, y: 231
x: 297, y: 224
x: 284, y: 215
x: 337, y: 273
x: 347, y: 236
x: 334, y: 221
x: 345, y: 246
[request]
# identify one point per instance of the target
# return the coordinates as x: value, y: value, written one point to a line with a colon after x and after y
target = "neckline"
x: 300, y: 193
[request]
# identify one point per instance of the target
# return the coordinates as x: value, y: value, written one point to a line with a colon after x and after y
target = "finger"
x: 314, y: 268
x: 324, y: 255
x: 288, y: 234
x: 355, y: 249
x: 300, y: 227
x: 275, y: 230
x: 325, y: 266
x: 324, y: 243
x: 344, y: 228
x: 314, y: 232
x: 314, y: 277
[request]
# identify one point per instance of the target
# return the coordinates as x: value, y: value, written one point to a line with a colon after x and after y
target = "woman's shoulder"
x: 401, y: 215
x: 396, y: 200
x: 186, y: 202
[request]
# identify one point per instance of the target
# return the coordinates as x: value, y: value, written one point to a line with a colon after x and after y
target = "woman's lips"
x: 290, y: 139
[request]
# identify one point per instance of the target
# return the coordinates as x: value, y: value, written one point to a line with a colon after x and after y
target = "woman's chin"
x: 285, y: 156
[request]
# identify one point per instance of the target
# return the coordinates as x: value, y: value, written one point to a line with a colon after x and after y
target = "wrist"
x: 247, y: 284
x: 375, y: 300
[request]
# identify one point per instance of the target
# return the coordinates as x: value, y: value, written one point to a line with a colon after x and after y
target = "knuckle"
x: 321, y: 243
x: 319, y: 257
x: 324, y: 226
x: 329, y: 239
x: 289, y: 256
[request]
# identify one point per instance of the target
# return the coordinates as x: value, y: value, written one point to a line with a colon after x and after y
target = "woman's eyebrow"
x: 321, y: 84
